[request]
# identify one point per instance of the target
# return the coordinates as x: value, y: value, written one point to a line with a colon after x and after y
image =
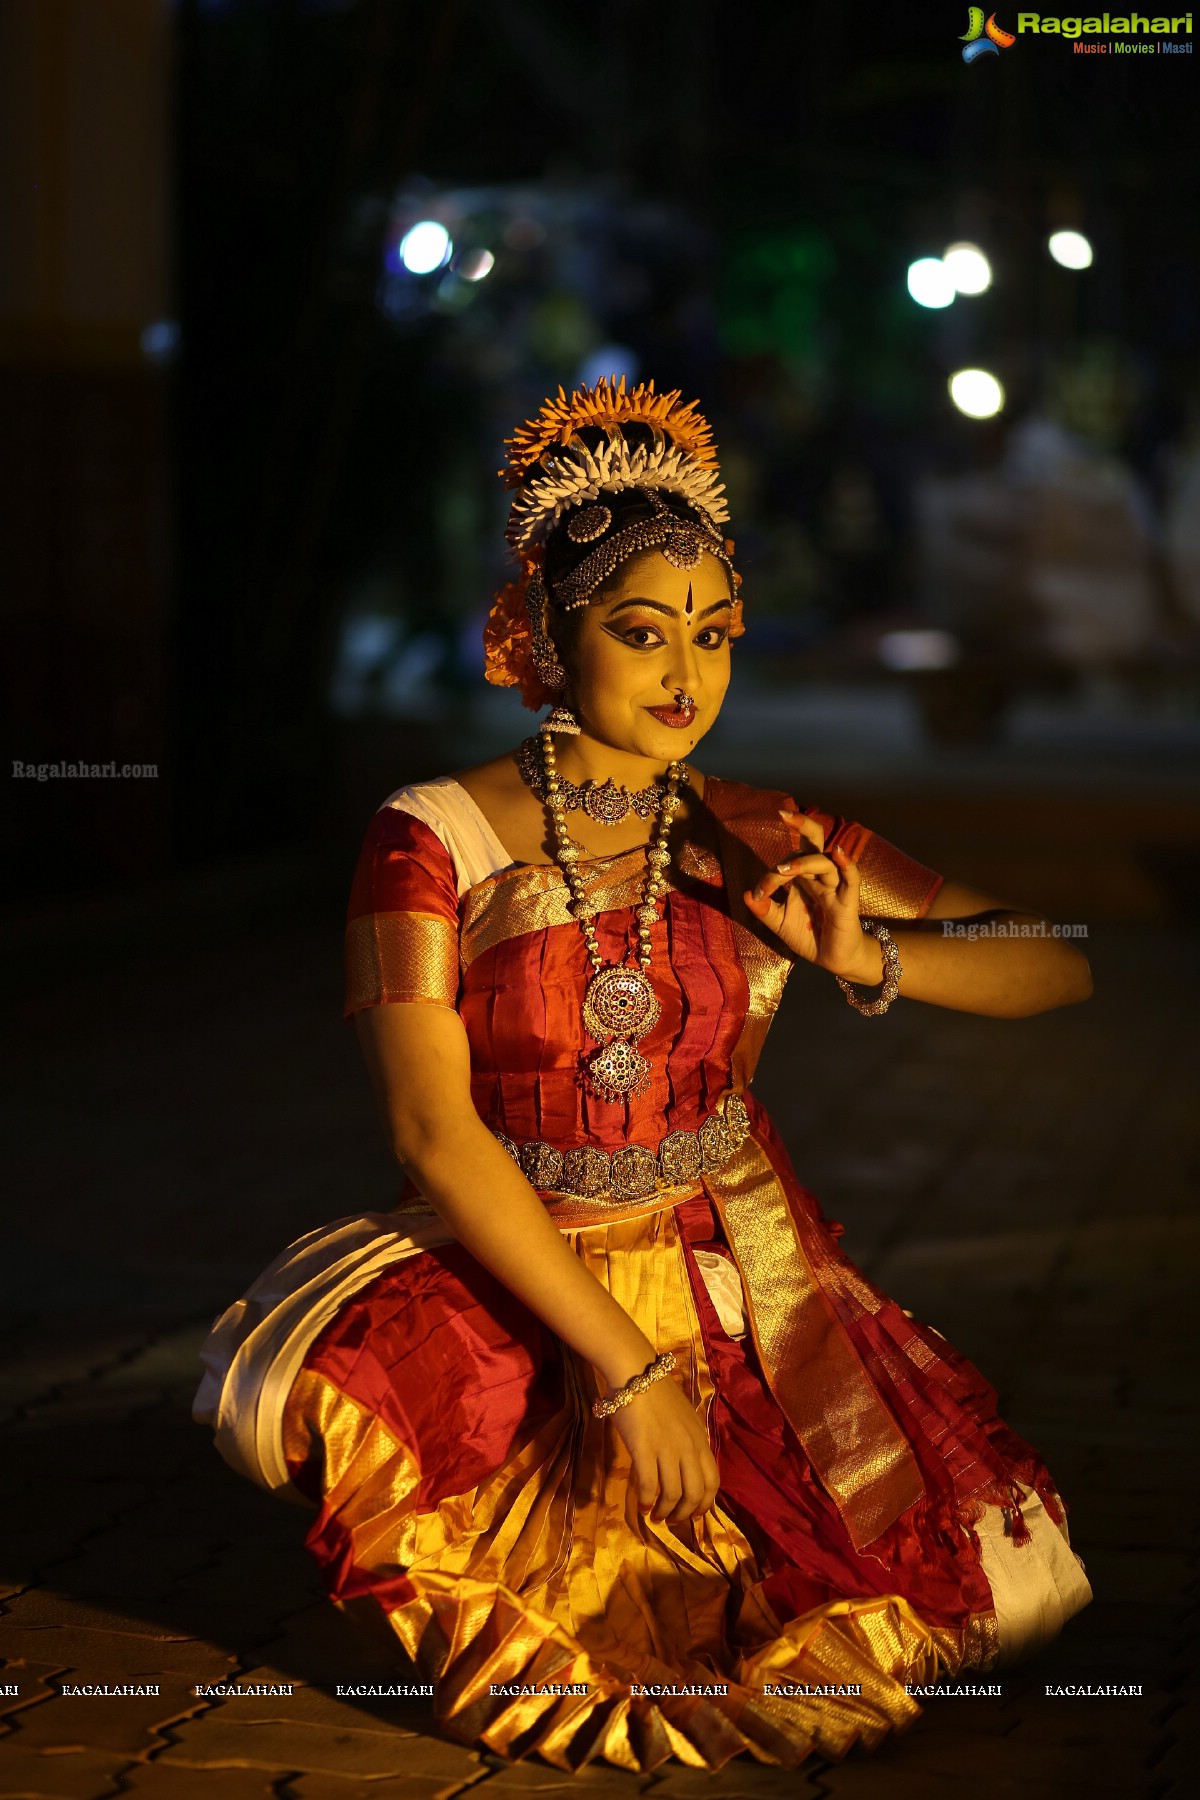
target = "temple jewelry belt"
x: 635, y: 1171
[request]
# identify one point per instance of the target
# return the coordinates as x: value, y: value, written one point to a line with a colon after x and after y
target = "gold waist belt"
x: 634, y: 1172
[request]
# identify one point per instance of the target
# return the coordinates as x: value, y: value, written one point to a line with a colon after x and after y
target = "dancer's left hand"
x: 810, y: 901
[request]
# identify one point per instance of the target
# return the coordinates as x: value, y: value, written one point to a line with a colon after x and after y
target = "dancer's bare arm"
x: 998, y: 959
x: 419, y: 1063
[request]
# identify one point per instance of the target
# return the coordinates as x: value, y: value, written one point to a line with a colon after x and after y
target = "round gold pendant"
x: 620, y: 1003
x: 619, y: 1071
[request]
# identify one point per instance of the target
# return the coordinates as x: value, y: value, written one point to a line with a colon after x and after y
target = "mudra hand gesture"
x: 810, y: 901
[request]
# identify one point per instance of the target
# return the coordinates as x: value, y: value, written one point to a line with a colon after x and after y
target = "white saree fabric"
x: 454, y: 818
x: 257, y: 1347
x: 1036, y: 1587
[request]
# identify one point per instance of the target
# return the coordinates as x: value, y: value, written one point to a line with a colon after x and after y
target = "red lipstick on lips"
x: 677, y: 717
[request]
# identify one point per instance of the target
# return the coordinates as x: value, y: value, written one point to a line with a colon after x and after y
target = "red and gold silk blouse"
x: 506, y: 954
x: 511, y: 960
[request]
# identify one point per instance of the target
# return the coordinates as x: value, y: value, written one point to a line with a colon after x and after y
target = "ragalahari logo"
x: 984, y: 40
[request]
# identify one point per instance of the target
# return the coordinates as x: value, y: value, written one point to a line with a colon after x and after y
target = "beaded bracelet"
x: 607, y: 1404
x: 891, y: 973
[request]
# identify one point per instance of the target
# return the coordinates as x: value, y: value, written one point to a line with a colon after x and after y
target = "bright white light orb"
x: 968, y: 268
x: 1071, y: 249
x: 425, y: 247
x: 930, y: 282
x: 976, y: 393
x: 475, y: 265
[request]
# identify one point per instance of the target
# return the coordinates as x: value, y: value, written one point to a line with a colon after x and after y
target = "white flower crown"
x: 575, y: 474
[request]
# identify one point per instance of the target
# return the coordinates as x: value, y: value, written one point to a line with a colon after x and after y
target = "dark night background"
x: 250, y: 531
x: 728, y: 197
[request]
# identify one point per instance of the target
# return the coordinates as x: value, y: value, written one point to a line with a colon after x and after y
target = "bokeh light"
x: 1071, y: 249
x: 968, y: 268
x: 425, y: 246
x: 473, y: 265
x: 925, y: 648
x: 930, y: 282
x: 976, y: 393
x: 160, y: 340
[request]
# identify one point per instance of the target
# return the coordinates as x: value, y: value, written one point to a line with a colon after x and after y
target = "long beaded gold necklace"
x: 619, y: 1005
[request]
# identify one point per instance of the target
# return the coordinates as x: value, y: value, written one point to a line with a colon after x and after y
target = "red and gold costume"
x: 877, y: 1523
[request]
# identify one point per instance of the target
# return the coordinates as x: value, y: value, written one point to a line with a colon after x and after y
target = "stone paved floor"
x: 185, y: 1103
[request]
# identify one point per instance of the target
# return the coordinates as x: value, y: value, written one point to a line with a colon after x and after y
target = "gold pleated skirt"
x: 542, y: 1575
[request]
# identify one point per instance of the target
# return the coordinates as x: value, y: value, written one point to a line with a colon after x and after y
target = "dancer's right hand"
x: 674, y: 1472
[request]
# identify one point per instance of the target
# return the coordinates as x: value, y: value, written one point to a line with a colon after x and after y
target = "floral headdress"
x: 557, y: 473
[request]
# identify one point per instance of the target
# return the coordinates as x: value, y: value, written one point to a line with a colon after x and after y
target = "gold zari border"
x: 393, y: 956
x: 517, y: 902
x: 855, y: 1445
x: 894, y: 886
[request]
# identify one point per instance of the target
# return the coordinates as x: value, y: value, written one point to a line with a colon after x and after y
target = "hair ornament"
x: 608, y: 404
x: 545, y: 657
x: 682, y: 543
x: 684, y: 549
x: 591, y: 523
x: 555, y: 470
x: 508, y: 641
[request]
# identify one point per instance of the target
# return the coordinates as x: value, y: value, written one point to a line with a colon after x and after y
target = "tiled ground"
x: 186, y: 1102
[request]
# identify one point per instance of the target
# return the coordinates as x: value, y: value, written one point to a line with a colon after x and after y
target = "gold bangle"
x: 607, y: 1404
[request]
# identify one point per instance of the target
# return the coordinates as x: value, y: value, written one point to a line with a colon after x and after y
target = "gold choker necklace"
x: 619, y: 1004
x: 604, y: 801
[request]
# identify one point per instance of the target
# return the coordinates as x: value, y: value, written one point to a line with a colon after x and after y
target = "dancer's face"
x: 650, y: 632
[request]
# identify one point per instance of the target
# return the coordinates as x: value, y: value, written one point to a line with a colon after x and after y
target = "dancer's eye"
x: 712, y: 637
x: 643, y: 637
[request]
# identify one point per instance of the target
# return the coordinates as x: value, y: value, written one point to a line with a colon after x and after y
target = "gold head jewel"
x: 556, y: 473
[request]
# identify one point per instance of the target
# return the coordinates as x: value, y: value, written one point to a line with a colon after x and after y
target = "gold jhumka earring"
x: 561, y: 720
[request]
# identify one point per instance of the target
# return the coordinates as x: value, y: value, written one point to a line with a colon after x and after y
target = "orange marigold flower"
x: 609, y: 402
x: 508, y: 643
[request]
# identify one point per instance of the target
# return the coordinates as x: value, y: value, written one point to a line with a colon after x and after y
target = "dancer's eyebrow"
x: 669, y: 612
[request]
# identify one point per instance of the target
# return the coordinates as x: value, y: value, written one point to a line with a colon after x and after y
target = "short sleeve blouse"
x: 402, y: 920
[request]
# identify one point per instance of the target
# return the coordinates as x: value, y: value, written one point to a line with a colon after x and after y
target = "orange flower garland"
x: 508, y: 642
x: 608, y: 403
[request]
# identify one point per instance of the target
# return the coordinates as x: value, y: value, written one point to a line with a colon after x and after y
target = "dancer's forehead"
x: 648, y: 577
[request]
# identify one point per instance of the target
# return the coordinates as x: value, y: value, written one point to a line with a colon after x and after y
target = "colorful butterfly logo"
x: 974, y: 41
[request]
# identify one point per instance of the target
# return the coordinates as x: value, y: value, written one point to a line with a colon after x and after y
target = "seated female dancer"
x: 628, y: 1455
